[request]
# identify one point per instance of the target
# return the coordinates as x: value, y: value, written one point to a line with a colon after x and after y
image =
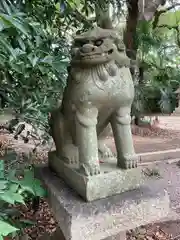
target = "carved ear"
x: 119, y: 44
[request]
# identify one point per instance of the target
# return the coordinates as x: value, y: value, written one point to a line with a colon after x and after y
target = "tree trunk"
x: 130, y: 36
x: 130, y: 39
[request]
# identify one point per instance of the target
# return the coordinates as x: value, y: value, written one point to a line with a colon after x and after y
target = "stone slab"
x: 103, y: 218
x: 176, y: 111
x: 58, y: 235
x: 120, y: 236
x: 111, y: 181
x: 159, y: 155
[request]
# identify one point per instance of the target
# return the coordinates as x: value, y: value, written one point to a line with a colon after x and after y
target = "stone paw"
x: 128, y: 162
x: 105, y: 151
x: 89, y: 170
x: 70, y: 154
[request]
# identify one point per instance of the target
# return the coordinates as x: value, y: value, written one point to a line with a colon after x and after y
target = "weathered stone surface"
x: 99, y: 91
x: 159, y: 155
x: 177, y: 111
x: 58, y: 235
x: 111, y: 181
x: 120, y: 236
x: 103, y: 218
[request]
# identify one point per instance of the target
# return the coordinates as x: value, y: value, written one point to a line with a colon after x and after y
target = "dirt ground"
x: 163, y: 136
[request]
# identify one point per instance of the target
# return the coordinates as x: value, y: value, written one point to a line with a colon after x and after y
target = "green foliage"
x: 159, y: 56
x: 146, y: 39
x: 169, y: 19
x: 15, y: 191
x: 33, y: 59
x: 6, y: 229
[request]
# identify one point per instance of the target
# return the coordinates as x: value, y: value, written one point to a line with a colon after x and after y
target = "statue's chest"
x: 100, y: 87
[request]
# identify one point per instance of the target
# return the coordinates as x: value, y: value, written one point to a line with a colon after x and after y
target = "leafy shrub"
x: 16, y: 190
x: 33, y: 59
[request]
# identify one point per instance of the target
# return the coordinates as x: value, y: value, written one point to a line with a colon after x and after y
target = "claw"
x: 89, y: 170
x: 129, y: 162
x: 105, y: 152
x: 70, y: 154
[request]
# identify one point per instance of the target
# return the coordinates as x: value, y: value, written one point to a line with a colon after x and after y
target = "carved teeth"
x: 93, y: 56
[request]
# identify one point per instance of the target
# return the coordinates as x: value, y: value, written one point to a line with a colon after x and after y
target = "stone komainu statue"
x: 99, y: 91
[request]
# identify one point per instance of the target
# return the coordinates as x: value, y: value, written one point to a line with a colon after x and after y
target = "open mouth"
x: 96, y: 55
x: 110, y: 51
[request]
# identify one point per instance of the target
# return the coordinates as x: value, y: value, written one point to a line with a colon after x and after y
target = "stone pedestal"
x: 120, y: 236
x: 105, y: 218
x: 58, y: 235
x: 176, y: 111
x: 111, y: 181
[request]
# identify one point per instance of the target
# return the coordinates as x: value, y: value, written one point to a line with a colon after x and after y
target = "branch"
x: 79, y: 16
x: 167, y: 26
x: 158, y: 14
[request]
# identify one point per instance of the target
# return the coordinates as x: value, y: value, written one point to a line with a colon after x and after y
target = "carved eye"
x: 98, y: 42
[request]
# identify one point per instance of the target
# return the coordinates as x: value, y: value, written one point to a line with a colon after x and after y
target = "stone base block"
x: 176, y: 112
x: 111, y: 181
x: 103, y: 218
x: 57, y: 235
x: 120, y: 236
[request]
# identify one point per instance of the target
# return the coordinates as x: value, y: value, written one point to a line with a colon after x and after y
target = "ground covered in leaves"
x: 43, y: 218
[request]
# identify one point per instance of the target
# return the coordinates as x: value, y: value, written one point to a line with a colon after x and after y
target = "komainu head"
x: 96, y: 46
